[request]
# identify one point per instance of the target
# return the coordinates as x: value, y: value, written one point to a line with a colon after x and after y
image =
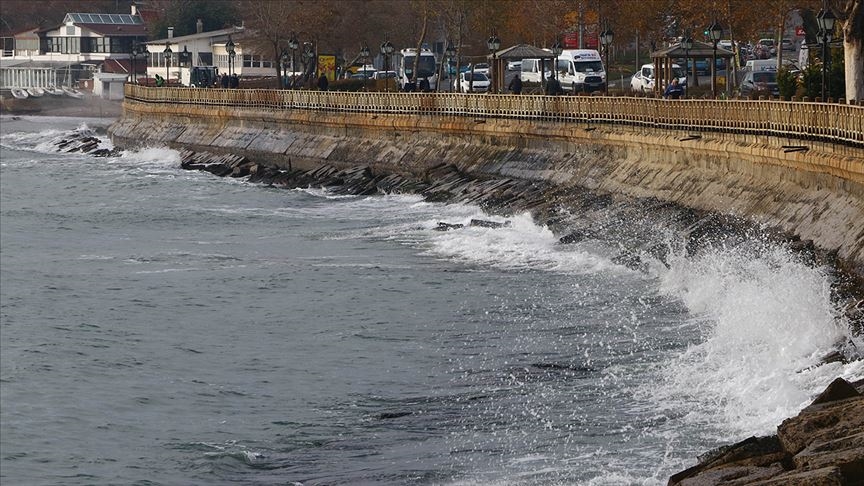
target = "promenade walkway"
x: 800, y: 120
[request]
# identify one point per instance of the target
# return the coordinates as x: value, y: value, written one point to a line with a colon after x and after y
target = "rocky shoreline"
x: 822, y: 445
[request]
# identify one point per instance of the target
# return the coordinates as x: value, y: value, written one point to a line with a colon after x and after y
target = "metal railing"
x: 831, y: 122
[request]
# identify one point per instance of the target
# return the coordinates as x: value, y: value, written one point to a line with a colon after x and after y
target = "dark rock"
x: 839, y: 389
x: 574, y: 237
x: 442, y: 226
x: 488, y: 224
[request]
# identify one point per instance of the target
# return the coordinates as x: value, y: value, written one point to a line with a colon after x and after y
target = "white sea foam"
x: 768, y: 319
x: 46, y: 141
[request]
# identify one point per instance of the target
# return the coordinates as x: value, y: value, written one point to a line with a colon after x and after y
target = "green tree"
x: 183, y: 15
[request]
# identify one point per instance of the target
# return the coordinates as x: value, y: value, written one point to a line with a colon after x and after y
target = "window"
x: 253, y: 61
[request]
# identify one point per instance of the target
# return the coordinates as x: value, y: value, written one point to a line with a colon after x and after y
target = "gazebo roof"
x: 523, y: 51
x: 699, y: 49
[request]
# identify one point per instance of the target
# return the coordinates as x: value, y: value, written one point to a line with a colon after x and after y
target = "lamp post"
x: 283, y: 61
x: 386, y: 51
x: 310, y: 55
x: 606, y: 39
x: 230, y: 48
x: 293, y: 45
x: 825, y: 19
x: 715, y: 31
x: 138, y: 49
x: 494, y: 43
x: 557, y: 49
x: 167, y: 53
x: 364, y: 53
x: 687, y: 44
x: 450, y: 52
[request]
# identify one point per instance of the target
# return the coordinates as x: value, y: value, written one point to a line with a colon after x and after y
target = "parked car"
x: 481, y: 67
x: 767, y: 46
x: 787, y: 45
x: 514, y: 65
x: 384, y: 74
x: 760, y: 82
x: 474, y: 83
x: 643, y: 80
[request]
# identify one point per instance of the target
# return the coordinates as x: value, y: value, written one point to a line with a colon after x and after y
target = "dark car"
x: 760, y: 82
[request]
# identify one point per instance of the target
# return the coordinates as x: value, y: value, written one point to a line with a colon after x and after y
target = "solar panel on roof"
x: 113, y: 19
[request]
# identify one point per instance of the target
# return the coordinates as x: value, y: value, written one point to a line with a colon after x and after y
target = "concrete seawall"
x: 817, y: 194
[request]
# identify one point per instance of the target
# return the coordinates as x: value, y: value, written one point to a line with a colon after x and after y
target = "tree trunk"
x: 853, y: 49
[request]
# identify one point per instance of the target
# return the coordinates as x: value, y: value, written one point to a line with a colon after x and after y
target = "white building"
x: 204, y: 49
x: 71, y: 53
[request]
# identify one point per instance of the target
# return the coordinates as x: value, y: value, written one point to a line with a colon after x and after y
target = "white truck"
x: 581, y: 70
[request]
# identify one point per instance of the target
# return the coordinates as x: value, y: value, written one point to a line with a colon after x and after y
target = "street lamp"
x: 310, y: 56
x: 138, y: 49
x: 606, y: 39
x: 557, y: 49
x: 825, y: 19
x: 687, y: 44
x: 364, y: 53
x: 283, y: 61
x: 386, y: 51
x: 293, y: 45
x: 185, y: 57
x: 229, y: 46
x: 715, y: 31
x: 167, y: 53
x: 450, y: 52
x: 494, y: 43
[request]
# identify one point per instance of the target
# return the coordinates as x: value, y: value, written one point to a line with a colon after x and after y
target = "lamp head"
x: 826, y: 19
x: 715, y: 31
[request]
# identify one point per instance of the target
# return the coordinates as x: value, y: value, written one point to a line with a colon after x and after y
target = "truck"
x: 581, y: 70
x: 425, y: 70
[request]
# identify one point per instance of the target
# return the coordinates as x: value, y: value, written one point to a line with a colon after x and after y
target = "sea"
x: 168, y: 327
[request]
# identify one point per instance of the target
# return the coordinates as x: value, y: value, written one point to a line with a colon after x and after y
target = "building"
x: 174, y: 58
x: 84, y: 51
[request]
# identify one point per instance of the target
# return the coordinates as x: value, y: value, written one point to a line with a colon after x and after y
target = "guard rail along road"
x: 827, y: 122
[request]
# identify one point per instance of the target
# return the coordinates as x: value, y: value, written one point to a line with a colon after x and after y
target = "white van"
x: 530, y: 70
x: 756, y: 65
x: 581, y: 70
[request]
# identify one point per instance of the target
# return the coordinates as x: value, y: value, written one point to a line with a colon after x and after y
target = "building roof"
x: 523, y: 51
x: 116, y: 30
x: 201, y: 35
x: 100, y: 18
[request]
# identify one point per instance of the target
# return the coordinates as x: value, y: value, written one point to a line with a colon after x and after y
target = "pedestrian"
x: 323, y: 83
x: 160, y: 81
x: 424, y: 85
x: 235, y: 81
x: 515, y: 85
x: 224, y: 80
x: 553, y: 86
x: 674, y: 91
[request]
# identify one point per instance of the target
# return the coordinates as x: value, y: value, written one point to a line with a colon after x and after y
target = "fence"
x: 830, y: 122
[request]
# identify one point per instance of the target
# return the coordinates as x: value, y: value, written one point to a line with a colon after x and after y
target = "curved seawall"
x: 813, y: 189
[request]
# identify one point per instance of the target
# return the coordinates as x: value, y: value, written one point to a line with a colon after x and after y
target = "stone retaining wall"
x: 817, y: 193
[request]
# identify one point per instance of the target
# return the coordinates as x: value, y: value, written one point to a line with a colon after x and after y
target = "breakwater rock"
x: 822, y: 445
x: 637, y: 232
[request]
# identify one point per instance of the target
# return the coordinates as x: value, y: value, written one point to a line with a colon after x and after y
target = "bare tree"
x: 853, y: 48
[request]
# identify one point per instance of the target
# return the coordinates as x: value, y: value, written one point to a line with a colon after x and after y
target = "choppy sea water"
x: 160, y: 326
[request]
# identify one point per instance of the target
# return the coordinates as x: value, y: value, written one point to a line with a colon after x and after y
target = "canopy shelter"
x: 665, y: 58
x: 499, y: 59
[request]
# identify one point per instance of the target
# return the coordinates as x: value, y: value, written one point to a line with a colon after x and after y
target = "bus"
x: 425, y: 70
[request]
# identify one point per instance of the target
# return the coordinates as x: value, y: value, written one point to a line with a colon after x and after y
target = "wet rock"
x: 822, y: 445
x: 574, y: 237
x: 488, y: 224
x: 442, y: 226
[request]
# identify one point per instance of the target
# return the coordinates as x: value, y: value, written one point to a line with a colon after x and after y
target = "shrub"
x: 787, y: 83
